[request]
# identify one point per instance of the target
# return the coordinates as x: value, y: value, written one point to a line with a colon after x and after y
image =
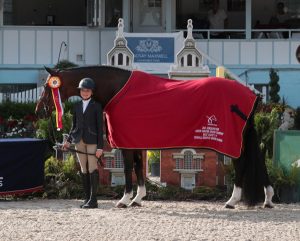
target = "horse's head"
x: 44, y: 106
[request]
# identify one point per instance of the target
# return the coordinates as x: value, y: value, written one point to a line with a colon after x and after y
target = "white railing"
x: 261, y: 33
x: 26, y: 96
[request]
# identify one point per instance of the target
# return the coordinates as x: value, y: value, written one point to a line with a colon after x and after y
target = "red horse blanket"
x: 150, y: 112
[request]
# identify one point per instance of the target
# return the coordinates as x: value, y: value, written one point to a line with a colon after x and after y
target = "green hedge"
x: 19, y: 110
x: 16, y: 110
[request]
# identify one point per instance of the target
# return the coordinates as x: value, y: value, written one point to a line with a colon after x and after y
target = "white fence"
x: 26, y: 96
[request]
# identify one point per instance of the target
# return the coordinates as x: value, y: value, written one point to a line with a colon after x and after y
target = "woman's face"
x: 86, y: 93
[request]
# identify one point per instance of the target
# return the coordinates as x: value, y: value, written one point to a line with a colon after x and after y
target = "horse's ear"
x: 50, y: 71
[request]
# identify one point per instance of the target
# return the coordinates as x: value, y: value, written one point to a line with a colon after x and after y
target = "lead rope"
x: 99, y: 160
x: 51, y: 123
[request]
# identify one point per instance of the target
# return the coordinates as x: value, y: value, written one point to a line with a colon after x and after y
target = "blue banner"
x: 151, y: 50
x: 22, y: 165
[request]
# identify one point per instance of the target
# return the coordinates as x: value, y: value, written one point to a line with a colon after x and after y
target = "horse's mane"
x: 94, y: 67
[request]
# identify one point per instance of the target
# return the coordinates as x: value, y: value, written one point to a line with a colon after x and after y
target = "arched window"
x: 188, y: 159
x: 113, y: 60
x: 181, y: 62
x: 197, y: 61
x: 109, y: 162
x: 120, y: 59
x: 127, y: 61
x: 118, y: 159
x: 189, y: 60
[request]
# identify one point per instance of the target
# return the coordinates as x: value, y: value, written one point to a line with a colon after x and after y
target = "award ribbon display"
x: 54, y: 83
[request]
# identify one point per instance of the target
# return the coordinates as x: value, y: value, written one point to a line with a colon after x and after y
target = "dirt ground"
x: 63, y: 220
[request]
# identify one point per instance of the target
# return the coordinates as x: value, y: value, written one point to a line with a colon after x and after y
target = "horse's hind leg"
x: 269, y: 193
x: 251, y: 172
x: 237, y: 189
x: 141, y: 189
x: 128, y: 166
x: 268, y: 189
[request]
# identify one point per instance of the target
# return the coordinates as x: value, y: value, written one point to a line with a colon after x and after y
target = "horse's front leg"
x: 128, y: 166
x: 141, y: 189
x: 235, y: 197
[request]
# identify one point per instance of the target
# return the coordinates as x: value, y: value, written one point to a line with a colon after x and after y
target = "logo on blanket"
x: 211, y: 131
x: 212, y: 120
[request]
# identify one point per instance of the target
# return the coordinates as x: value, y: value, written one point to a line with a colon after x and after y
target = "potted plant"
x: 286, y: 182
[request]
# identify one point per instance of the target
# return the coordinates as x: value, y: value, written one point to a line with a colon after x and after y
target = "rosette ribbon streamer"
x: 54, y: 82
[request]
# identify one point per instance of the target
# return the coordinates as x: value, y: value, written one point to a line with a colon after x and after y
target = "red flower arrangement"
x: 24, y: 127
x: 2, y: 120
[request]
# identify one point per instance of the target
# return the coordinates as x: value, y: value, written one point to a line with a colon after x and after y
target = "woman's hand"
x: 99, y: 153
x: 66, y: 146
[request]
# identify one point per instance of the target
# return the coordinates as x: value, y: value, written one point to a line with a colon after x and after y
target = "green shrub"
x: 45, y: 128
x: 172, y: 192
x: 52, y: 167
x: 266, y: 123
x: 208, y: 193
x: 176, y: 193
x: 62, y: 179
x: 282, y: 178
x: 70, y: 169
x: 64, y: 64
x: 111, y: 192
x: 16, y: 110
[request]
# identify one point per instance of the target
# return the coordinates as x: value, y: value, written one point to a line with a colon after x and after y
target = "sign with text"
x: 152, y: 50
x: 286, y: 148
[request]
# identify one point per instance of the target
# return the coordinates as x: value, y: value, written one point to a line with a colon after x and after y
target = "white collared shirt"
x: 85, y: 104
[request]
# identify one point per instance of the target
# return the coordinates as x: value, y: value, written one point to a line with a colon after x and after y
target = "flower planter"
x: 289, y: 194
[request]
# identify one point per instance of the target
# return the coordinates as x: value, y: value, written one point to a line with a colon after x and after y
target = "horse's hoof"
x: 121, y: 205
x: 268, y: 206
x: 229, y: 206
x: 135, y: 204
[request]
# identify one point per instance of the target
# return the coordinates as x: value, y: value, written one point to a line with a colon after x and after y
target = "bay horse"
x: 250, y: 170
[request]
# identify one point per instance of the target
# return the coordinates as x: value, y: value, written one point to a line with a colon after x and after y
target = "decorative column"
x: 189, y: 60
x: 1, y: 12
x: 120, y: 55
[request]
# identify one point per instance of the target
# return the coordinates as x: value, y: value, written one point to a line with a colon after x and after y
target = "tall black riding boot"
x: 94, y: 180
x: 85, y: 178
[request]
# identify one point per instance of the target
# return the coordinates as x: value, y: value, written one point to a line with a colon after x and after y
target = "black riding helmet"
x: 86, y: 83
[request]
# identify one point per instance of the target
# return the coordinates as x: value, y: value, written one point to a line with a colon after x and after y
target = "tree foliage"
x: 274, y: 86
x: 265, y: 124
x: 153, y: 156
x: 64, y: 64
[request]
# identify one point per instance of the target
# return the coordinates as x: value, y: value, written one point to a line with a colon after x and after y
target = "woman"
x: 87, y: 134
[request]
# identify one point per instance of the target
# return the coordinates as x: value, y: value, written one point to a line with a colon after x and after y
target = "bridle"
x: 46, y: 110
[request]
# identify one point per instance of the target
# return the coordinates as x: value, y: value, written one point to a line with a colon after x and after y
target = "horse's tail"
x: 255, y: 172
